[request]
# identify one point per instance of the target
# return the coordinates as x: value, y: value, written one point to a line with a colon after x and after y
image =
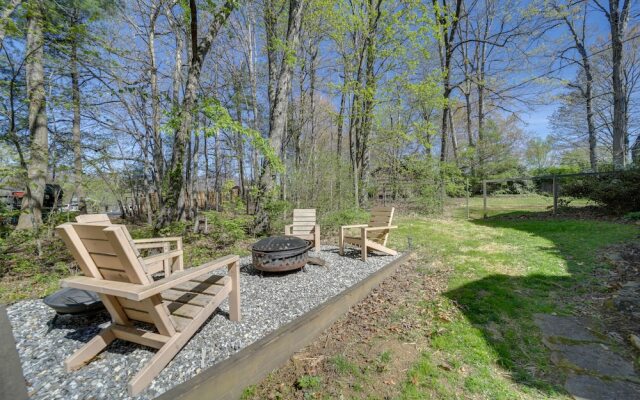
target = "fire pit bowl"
x: 280, y: 253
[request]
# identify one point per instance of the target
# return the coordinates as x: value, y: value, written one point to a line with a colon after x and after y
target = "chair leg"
x: 234, y: 295
x: 364, y: 249
x: 91, y: 349
x: 157, y: 363
x: 166, y: 353
x: 167, y: 263
x: 316, y: 238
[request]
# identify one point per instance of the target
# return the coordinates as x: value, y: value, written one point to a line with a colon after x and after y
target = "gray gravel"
x: 267, y: 302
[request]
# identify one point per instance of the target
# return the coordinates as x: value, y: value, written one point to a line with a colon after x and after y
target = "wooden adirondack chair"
x: 174, y: 307
x: 163, y: 244
x: 304, y: 226
x: 372, y: 236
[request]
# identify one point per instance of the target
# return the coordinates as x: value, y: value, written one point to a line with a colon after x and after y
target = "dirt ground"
x: 366, y: 353
x: 619, y: 282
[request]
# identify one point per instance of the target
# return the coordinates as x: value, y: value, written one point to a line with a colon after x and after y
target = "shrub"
x: 227, y: 229
x: 619, y: 193
x: 632, y: 216
x: 331, y: 221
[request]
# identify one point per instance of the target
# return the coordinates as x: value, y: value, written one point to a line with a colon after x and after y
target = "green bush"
x: 227, y: 229
x: 632, y: 216
x: 276, y: 209
x: 332, y: 221
x: 619, y: 193
x: 57, y: 218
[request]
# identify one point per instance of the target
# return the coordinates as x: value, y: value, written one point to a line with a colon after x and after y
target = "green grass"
x: 504, y: 271
x: 500, y: 204
x: 344, y: 366
x: 309, y: 382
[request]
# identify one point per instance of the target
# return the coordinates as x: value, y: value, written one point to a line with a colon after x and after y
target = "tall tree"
x: 31, y: 215
x: 280, y: 75
x: 618, y: 15
x: 174, y: 177
x: 574, y: 17
x: 447, y: 18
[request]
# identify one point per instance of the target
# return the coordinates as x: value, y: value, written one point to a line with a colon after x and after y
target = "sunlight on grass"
x: 504, y: 272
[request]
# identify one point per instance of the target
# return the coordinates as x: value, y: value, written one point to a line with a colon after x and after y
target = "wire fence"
x: 553, y: 194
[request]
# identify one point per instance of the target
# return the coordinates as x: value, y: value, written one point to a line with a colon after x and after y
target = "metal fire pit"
x: 280, y: 253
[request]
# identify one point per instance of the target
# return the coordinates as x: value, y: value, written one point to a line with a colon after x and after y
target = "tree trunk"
x: 194, y: 175
x: 206, y: 172
x: 618, y: 22
x: 238, y: 139
x: 454, y: 139
x: 31, y: 216
x: 158, y: 159
x: 448, y: 29
x: 368, y: 103
x: 354, y: 128
x: 312, y: 105
x: 175, y: 176
x: 254, y: 93
x: 343, y: 96
x: 278, y: 113
x: 587, y: 93
x: 480, y: 83
x: 217, y: 185
x: 467, y: 98
x: 75, y: 129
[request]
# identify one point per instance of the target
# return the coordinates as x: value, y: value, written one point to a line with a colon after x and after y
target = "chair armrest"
x: 185, y: 275
x: 139, y: 292
x: 288, y: 229
x: 158, y: 240
x: 354, y: 226
x: 157, y: 243
x: 162, y: 256
x: 120, y: 289
x: 380, y: 228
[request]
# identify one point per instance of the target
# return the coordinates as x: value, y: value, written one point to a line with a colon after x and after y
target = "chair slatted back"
x: 100, y: 219
x: 304, y: 221
x: 380, y: 216
x: 106, y: 252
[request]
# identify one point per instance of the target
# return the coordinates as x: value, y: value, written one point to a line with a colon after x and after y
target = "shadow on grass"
x: 503, y: 306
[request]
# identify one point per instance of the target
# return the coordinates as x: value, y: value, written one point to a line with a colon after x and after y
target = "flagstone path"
x: 594, y: 368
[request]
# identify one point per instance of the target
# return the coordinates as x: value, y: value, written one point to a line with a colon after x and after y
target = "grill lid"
x: 280, y: 243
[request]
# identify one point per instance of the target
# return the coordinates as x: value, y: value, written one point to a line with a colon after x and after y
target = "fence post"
x: 484, y: 199
x: 467, y: 190
x: 555, y: 195
x: 442, y: 192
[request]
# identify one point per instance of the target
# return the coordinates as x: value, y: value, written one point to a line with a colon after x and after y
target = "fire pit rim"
x: 280, y: 260
x: 261, y: 244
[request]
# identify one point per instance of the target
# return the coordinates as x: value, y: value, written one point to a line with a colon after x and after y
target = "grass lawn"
x: 503, y: 271
x: 500, y: 204
x: 458, y: 322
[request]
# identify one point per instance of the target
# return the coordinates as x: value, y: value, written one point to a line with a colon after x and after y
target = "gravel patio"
x: 268, y: 302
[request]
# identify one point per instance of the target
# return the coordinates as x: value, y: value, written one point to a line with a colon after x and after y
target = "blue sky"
x: 537, y: 119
